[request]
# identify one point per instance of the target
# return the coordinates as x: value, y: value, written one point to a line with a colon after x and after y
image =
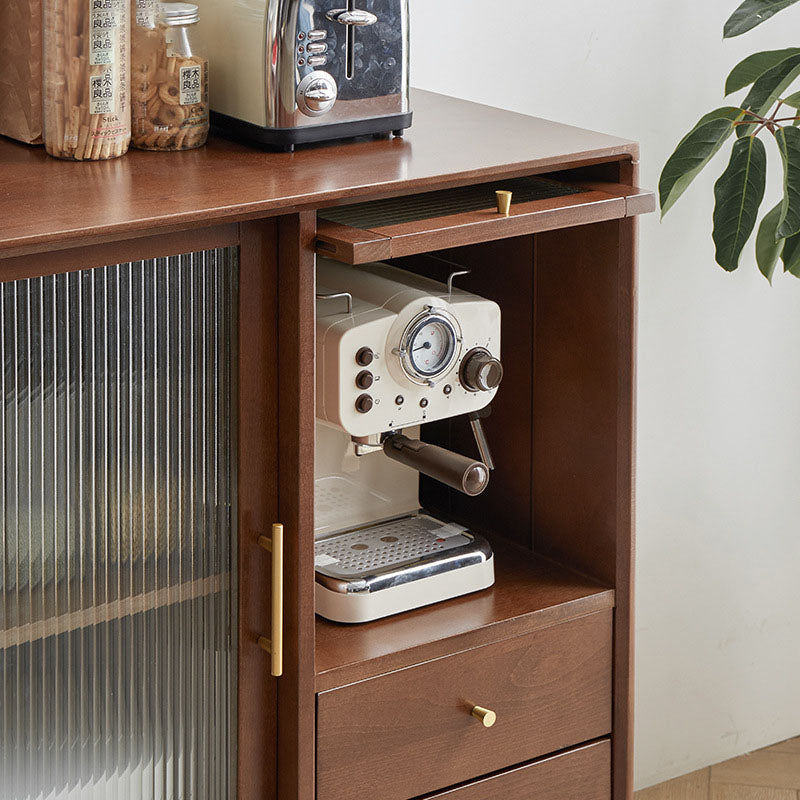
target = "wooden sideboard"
x: 382, y: 709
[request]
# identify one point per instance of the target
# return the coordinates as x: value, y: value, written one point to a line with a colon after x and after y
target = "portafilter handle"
x: 459, y: 472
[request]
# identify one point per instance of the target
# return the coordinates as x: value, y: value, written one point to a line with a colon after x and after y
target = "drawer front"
x: 411, y: 732
x: 580, y: 774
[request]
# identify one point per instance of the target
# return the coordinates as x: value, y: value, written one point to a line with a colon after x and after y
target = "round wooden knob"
x: 486, y: 717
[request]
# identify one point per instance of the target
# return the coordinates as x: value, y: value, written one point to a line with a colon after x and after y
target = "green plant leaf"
x: 693, y: 152
x: 789, y: 144
x: 753, y: 67
x: 738, y: 194
x: 769, y: 87
x: 768, y: 249
x: 793, y: 100
x: 752, y: 13
x: 791, y: 255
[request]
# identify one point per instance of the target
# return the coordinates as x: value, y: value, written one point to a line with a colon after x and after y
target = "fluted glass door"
x: 117, y: 501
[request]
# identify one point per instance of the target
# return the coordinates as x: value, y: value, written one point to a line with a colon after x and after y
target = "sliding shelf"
x: 530, y: 593
x: 405, y: 226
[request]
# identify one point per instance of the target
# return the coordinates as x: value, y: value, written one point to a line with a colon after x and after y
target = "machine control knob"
x: 364, y: 404
x: 364, y: 357
x: 365, y: 379
x: 481, y: 371
x: 316, y: 94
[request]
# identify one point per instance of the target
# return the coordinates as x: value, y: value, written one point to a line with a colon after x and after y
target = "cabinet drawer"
x: 581, y: 774
x: 411, y: 732
x: 406, y: 226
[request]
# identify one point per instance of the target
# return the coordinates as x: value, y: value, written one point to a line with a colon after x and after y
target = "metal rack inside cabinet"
x: 158, y: 634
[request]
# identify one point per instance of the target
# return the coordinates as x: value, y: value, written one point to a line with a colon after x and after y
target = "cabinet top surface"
x: 47, y: 204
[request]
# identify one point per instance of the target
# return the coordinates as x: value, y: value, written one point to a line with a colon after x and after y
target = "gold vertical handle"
x: 274, y: 646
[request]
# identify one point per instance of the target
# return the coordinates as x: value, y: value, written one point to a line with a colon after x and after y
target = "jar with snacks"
x: 87, y: 112
x: 170, y: 80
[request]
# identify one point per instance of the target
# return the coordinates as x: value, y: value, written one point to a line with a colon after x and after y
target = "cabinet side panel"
x: 584, y: 427
x: 258, y: 505
x: 296, y: 325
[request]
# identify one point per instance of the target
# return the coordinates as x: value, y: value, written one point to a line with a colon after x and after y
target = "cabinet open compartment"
x: 557, y: 507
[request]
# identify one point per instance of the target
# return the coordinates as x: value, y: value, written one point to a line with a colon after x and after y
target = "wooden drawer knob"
x: 485, y: 716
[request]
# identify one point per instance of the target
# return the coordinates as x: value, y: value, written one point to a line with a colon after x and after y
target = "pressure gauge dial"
x: 430, y: 346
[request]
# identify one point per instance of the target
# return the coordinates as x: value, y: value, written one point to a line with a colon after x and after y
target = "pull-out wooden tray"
x: 406, y: 226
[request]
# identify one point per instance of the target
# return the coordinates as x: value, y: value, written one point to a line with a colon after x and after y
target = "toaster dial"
x: 316, y: 94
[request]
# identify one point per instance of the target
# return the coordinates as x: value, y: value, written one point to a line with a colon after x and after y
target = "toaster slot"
x: 404, y: 226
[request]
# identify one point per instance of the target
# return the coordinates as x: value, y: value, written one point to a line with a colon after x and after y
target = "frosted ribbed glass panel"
x: 117, y: 499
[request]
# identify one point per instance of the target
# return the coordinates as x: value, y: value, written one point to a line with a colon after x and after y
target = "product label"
x: 146, y: 13
x: 191, y: 85
x: 101, y: 93
x: 105, y: 22
x: 324, y: 560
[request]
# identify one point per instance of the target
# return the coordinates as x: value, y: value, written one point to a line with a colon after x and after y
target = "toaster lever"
x: 356, y: 16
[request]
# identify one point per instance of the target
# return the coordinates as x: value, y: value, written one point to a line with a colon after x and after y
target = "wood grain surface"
x: 46, y: 204
x: 257, y: 729
x: 470, y: 227
x: 581, y: 774
x: 410, y: 732
x: 295, y: 415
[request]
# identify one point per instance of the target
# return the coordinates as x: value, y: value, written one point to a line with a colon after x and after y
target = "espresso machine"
x: 396, y: 351
x: 289, y: 72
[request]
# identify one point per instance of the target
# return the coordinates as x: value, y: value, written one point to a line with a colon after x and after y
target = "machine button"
x: 317, y: 35
x: 317, y: 61
x: 301, y: 36
x: 317, y: 47
x: 480, y: 371
x: 364, y: 404
x: 316, y: 94
x: 399, y: 400
x: 364, y: 357
x: 423, y: 403
x: 364, y: 379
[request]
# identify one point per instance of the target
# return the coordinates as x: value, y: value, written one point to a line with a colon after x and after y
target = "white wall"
x: 719, y: 374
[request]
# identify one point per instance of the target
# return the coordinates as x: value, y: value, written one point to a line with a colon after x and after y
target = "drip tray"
x: 395, y: 566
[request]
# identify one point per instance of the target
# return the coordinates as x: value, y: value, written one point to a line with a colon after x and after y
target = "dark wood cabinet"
x: 383, y: 709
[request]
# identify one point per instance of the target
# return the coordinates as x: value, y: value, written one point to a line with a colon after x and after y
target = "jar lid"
x: 179, y: 13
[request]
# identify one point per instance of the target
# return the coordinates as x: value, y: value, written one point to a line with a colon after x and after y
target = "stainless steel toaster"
x: 289, y: 72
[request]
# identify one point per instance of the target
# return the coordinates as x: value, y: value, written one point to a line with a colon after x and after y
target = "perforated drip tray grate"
x: 396, y: 552
x: 396, y: 210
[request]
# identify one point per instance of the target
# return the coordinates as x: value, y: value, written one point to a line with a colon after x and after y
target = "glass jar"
x: 169, y: 79
x: 87, y: 111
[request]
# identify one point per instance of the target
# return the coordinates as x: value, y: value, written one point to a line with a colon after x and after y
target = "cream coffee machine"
x: 394, y: 352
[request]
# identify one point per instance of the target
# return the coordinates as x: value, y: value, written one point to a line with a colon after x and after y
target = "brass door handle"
x: 486, y: 717
x: 274, y: 646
